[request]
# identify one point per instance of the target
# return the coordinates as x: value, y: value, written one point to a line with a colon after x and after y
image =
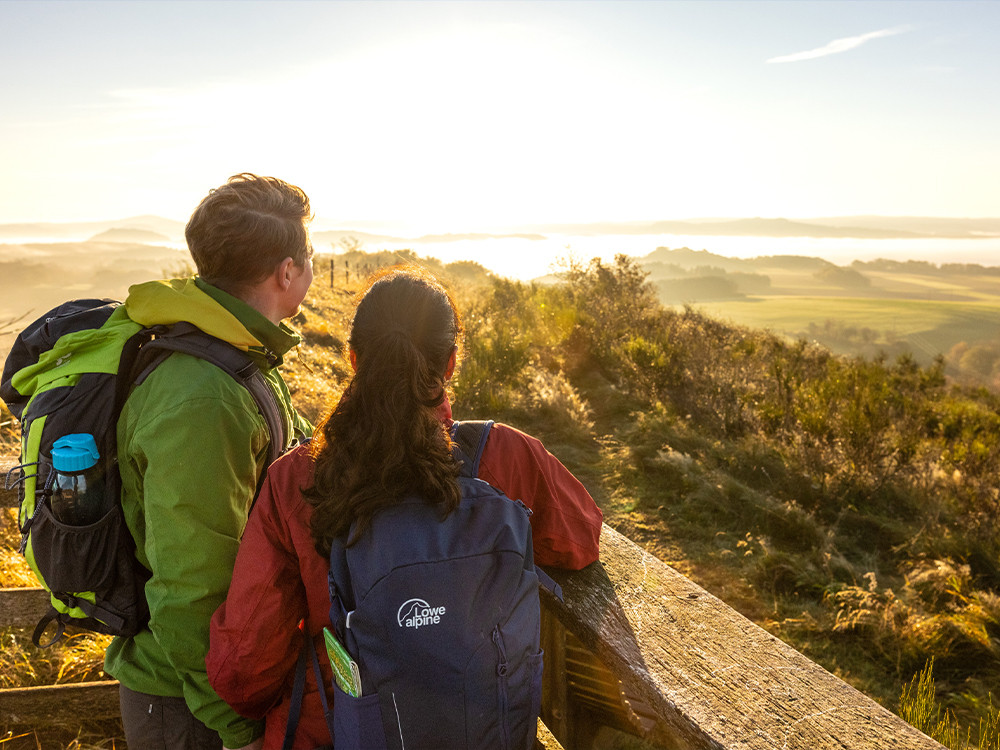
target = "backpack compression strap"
x: 93, y: 611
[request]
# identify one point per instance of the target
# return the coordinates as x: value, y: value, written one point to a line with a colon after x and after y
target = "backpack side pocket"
x: 357, y: 722
x: 75, y: 558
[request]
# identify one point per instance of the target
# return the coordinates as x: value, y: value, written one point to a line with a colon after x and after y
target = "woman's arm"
x: 254, y: 637
x: 565, y: 521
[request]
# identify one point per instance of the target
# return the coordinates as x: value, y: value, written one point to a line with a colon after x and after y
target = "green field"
x: 929, y: 327
x: 866, y: 309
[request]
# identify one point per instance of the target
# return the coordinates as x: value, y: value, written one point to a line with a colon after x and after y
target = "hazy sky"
x: 468, y: 115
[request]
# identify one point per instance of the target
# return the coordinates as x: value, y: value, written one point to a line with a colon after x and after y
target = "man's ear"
x: 283, y: 273
x: 354, y: 360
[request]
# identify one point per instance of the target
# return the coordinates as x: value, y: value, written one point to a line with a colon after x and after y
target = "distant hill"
x: 334, y: 236
x: 168, y: 229
x: 690, y: 259
x: 774, y: 228
x: 687, y: 258
x: 122, y: 234
x: 859, y: 227
x: 477, y: 236
x: 35, y: 277
x: 923, y: 225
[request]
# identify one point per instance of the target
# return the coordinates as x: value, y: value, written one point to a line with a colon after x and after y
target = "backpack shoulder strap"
x: 187, y: 338
x: 339, y: 584
x: 469, y: 439
x: 298, y: 690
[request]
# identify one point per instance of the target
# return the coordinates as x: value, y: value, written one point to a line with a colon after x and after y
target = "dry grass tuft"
x: 14, y: 571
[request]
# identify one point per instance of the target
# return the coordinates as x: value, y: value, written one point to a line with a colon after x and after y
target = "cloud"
x: 840, y: 45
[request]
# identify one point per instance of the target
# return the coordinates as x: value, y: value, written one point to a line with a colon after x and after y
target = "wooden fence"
x: 634, y: 647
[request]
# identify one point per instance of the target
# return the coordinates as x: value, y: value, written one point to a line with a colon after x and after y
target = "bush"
x: 493, y: 375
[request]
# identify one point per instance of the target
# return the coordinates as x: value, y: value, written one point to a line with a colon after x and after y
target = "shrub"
x: 493, y: 375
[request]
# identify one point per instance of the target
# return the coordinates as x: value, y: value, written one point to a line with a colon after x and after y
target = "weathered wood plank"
x: 713, y: 677
x: 544, y: 739
x: 8, y: 498
x: 48, y: 705
x: 23, y: 607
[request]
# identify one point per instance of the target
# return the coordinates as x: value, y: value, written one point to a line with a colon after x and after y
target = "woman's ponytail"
x: 385, y: 439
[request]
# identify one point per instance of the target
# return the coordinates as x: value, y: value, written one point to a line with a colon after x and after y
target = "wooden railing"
x: 633, y: 647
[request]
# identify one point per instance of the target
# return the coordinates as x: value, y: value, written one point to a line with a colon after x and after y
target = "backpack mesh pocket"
x: 76, y: 558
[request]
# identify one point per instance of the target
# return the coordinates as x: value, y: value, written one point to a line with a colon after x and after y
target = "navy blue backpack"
x: 443, y: 620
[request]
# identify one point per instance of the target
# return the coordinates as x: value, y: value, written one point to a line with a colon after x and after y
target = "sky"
x: 477, y: 116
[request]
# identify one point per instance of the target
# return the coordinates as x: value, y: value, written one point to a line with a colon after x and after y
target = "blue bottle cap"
x: 77, y: 452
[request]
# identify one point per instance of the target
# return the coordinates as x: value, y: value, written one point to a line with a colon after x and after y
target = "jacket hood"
x: 175, y: 300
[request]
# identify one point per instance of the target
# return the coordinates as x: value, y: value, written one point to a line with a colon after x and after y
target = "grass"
x: 904, y: 317
x: 920, y: 708
x: 844, y: 507
x: 78, y: 658
x: 853, y: 326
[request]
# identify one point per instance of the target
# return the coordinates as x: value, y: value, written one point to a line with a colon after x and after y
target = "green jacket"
x: 191, y: 446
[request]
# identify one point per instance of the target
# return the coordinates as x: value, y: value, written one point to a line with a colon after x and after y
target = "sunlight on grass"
x: 846, y: 504
x: 919, y: 707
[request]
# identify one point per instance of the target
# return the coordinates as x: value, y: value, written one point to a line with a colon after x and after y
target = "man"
x: 192, y: 446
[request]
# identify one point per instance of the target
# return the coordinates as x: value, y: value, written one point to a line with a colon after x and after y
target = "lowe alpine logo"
x: 416, y: 613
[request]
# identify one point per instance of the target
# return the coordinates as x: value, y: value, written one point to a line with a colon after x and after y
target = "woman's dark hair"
x: 385, y: 440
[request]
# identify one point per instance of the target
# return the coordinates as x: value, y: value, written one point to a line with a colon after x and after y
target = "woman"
x: 386, y: 438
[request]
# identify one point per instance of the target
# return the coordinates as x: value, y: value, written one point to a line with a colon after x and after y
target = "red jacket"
x: 280, y: 579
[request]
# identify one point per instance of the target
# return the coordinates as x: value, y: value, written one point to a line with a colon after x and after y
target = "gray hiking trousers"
x: 153, y: 722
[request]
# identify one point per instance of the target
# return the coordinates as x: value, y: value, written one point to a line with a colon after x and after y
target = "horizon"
x: 539, y: 251
x: 324, y: 224
x: 474, y: 116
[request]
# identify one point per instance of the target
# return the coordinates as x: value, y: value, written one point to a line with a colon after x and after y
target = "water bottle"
x: 78, y: 489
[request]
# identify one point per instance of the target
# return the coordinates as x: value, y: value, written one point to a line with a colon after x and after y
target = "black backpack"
x: 68, y: 372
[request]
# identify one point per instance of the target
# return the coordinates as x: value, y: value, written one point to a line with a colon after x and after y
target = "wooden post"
x: 59, y: 704
x: 555, y: 705
x: 22, y: 607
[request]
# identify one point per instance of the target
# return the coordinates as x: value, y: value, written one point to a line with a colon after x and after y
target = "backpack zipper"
x: 502, y: 687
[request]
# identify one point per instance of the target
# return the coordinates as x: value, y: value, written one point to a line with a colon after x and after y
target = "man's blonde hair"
x: 242, y: 230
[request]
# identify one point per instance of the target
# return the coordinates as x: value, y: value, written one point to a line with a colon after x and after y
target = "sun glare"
x: 474, y: 116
